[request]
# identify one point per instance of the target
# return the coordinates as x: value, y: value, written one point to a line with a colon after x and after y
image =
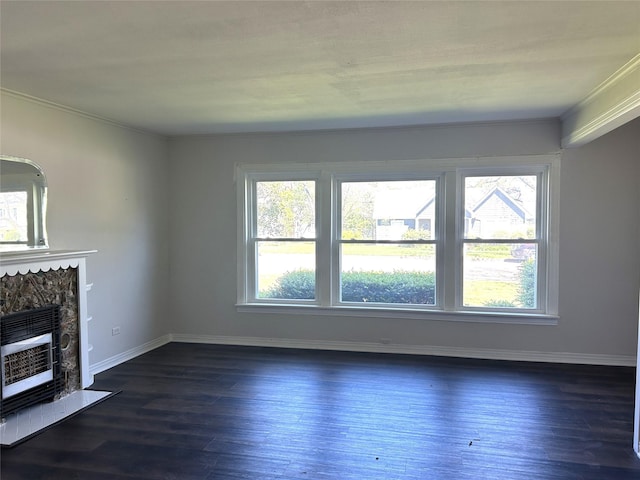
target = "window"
x: 502, y: 238
x: 386, y: 255
x: 472, y: 239
x: 14, y: 218
x: 283, y: 240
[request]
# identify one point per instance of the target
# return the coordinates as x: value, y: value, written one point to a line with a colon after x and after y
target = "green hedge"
x: 299, y: 285
x: 374, y: 287
x: 527, y: 290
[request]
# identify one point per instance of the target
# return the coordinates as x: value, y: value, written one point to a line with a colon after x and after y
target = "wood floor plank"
x: 194, y: 411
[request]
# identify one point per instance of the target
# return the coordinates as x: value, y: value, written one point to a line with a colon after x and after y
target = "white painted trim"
x: 513, y: 318
x: 479, y: 353
x: 611, y: 119
x: 129, y: 354
x: 86, y: 377
x: 612, y: 114
x: 36, y: 260
x: 80, y: 113
x: 627, y: 69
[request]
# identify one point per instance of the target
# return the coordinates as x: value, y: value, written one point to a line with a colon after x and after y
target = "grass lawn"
x: 479, y: 292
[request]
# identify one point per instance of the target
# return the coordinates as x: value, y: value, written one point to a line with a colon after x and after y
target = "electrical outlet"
x: 115, y: 331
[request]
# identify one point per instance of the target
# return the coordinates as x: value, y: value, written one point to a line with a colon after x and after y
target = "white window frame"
x: 448, y: 232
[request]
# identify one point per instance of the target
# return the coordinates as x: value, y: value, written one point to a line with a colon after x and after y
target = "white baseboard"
x: 129, y: 354
x: 479, y: 353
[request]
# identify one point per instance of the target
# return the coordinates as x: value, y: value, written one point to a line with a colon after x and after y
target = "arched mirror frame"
x: 27, y: 212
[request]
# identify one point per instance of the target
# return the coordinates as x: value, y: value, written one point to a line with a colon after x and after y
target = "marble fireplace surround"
x: 30, y: 278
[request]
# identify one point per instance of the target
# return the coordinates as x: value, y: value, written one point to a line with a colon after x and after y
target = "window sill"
x: 408, y: 313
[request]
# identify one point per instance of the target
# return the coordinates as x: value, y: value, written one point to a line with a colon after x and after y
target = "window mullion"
x: 246, y: 260
x: 542, y: 229
x: 252, y: 270
x: 450, y: 264
x: 324, y: 239
x: 252, y: 245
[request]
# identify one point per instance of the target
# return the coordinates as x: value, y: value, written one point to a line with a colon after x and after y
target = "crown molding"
x: 73, y: 111
x: 613, y: 103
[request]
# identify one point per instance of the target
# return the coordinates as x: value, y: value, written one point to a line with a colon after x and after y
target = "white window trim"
x: 448, y: 308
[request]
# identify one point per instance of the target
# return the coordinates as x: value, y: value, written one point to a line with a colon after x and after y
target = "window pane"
x: 286, y: 209
x: 500, y: 275
x: 13, y: 217
x: 389, y: 273
x: 398, y: 210
x: 286, y: 270
x: 500, y: 207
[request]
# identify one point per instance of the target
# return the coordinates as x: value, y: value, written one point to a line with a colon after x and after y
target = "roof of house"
x: 401, y: 204
x: 515, y: 205
x: 405, y: 204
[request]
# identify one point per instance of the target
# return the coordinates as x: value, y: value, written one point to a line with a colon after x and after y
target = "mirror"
x: 23, y: 202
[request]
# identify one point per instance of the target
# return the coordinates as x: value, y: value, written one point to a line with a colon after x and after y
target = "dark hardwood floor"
x: 192, y: 411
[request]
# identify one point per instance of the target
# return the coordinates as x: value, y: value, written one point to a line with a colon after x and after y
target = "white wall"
x: 599, y: 242
x: 107, y: 191
x: 157, y: 210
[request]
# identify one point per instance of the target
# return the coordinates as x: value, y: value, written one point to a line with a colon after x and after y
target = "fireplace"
x: 37, y: 279
x: 30, y: 353
x: 44, y: 360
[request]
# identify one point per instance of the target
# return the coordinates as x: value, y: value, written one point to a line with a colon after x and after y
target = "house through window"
x: 469, y: 237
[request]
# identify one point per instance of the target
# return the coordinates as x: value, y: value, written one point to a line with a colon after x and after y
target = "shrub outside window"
x: 471, y: 239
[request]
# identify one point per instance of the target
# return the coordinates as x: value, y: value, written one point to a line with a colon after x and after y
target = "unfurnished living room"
x: 324, y: 240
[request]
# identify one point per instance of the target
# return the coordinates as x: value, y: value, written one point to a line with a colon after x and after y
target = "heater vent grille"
x: 27, y: 363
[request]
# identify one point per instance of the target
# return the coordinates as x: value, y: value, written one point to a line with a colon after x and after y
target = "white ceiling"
x: 182, y: 67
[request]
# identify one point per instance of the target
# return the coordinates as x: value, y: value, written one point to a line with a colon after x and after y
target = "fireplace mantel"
x: 12, y: 263
x: 34, y: 261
